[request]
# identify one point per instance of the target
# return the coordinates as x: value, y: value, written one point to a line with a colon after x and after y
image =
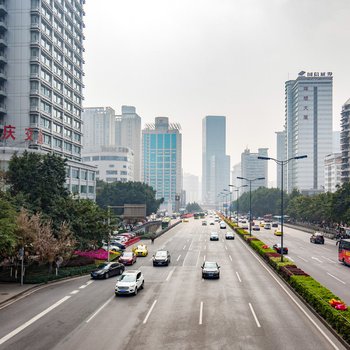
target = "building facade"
x: 345, y: 142
x: 41, y: 76
x: 128, y: 134
x: 253, y: 168
x: 281, y: 155
x: 236, y: 190
x: 162, y: 160
x: 191, y: 187
x: 99, y: 127
x: 215, y: 162
x: 308, y: 127
x: 114, y: 163
x: 332, y: 172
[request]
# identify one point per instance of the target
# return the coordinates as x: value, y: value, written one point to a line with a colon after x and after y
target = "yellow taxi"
x: 262, y: 224
x: 185, y: 220
x: 277, y: 233
x: 140, y: 250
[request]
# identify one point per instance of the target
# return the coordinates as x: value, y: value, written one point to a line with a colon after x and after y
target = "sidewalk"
x: 10, y: 291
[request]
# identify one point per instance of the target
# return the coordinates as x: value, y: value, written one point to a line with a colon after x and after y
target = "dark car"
x: 107, y: 270
x: 162, y: 257
x: 317, y: 237
x: 128, y: 258
x: 210, y: 270
x: 278, y: 249
x: 274, y: 224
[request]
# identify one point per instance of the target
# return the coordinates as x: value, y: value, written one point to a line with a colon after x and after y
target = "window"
x: 45, y: 123
x: 306, y: 98
x: 75, y: 189
x: 57, y: 143
x: 57, y: 128
x: 75, y: 173
x: 111, y: 172
x: 68, y: 146
x: 45, y: 75
x: 91, y: 189
x: 68, y: 133
x: 83, y: 189
x: 77, y: 137
x: 47, y: 139
x: 57, y: 114
x: 45, y: 107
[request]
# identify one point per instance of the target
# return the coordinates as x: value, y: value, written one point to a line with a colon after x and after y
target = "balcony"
x: 2, y: 108
x: 3, y: 58
x: 3, y: 9
x: 34, y: 92
x: 3, y: 75
x: 3, y: 92
x: 3, y: 43
x: 3, y: 26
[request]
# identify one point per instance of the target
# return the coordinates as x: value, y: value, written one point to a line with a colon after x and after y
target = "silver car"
x: 130, y: 282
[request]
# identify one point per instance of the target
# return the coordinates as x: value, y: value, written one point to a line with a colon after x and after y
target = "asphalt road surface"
x: 247, y: 308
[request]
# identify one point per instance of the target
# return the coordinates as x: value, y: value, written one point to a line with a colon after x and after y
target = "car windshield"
x: 103, y: 266
x: 127, y: 255
x: 128, y: 278
x: 160, y: 254
x: 210, y: 265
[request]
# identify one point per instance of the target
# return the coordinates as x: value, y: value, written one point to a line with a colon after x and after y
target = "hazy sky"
x: 186, y: 59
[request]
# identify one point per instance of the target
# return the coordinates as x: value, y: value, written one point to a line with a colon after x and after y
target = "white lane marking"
x: 178, y: 258
x: 317, y: 259
x: 170, y: 274
x: 225, y: 247
x: 239, y: 278
x: 330, y: 260
x: 184, y: 247
x: 302, y: 258
x: 290, y: 258
x: 255, y: 318
x: 99, y: 309
x: 32, y: 320
x: 291, y: 297
x: 89, y: 282
x: 201, y: 313
x: 336, y: 278
x: 190, y: 247
x: 205, y: 247
x: 149, y: 312
x: 75, y: 291
x: 83, y: 286
x: 199, y: 253
x: 230, y: 257
x: 204, y: 257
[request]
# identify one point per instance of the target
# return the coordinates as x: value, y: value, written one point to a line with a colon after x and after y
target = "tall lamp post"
x: 282, y: 163
x: 237, y: 190
x: 250, y: 198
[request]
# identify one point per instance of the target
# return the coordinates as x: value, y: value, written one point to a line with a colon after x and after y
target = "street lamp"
x: 250, y: 198
x: 237, y: 190
x: 282, y: 163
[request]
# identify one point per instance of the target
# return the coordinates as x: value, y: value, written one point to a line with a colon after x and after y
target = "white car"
x: 223, y: 224
x: 113, y: 248
x: 130, y: 282
x: 214, y: 236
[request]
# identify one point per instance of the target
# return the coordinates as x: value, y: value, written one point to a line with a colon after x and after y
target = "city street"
x: 247, y: 308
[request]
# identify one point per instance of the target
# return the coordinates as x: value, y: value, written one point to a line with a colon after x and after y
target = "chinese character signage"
x: 9, y: 133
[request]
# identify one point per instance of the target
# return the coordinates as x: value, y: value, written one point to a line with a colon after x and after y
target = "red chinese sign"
x: 10, y: 130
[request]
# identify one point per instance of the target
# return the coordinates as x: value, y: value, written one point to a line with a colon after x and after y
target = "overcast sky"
x: 186, y: 59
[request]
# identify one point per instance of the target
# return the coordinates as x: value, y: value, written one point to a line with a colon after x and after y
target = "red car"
x: 128, y: 258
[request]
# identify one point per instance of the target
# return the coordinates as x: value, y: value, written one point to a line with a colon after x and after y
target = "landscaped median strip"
x: 317, y: 296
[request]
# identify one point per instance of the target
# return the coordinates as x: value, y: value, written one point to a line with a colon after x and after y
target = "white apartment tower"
x: 308, y: 127
x: 281, y: 155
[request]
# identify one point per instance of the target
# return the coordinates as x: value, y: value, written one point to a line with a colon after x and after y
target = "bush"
x: 78, y: 261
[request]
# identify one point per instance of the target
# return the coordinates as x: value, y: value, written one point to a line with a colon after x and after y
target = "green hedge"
x: 307, y: 287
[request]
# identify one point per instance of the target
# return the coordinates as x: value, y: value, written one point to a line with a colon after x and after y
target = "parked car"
x: 130, y: 282
x: 140, y: 250
x: 108, y: 269
x: 317, y: 237
x: 214, y: 236
x: 278, y: 249
x: 113, y: 248
x: 210, y: 270
x: 274, y: 224
x: 128, y: 258
x: 223, y: 225
x: 229, y: 235
x: 267, y: 226
x: 256, y: 228
x: 162, y: 257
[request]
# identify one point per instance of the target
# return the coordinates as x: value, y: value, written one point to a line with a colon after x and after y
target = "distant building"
x: 191, y: 187
x: 162, y: 160
x: 253, y: 168
x: 128, y: 134
x: 114, y: 163
x: 332, y: 172
x: 308, y: 127
x: 336, y: 142
x: 99, y: 127
x: 345, y: 142
x: 236, y: 191
x: 215, y: 162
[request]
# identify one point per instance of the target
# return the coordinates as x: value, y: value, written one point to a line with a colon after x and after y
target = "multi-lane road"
x: 247, y: 308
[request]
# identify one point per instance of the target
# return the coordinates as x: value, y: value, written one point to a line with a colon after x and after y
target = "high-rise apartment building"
x: 41, y: 73
x: 162, y: 160
x: 332, y: 172
x: 236, y: 190
x: 308, y: 127
x: 345, y: 142
x: 99, y: 128
x: 253, y: 168
x: 129, y: 135
x: 215, y: 162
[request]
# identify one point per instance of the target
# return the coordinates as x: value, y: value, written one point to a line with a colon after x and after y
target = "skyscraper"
x: 99, y: 128
x: 191, y: 186
x: 162, y: 160
x: 253, y: 168
x: 345, y: 142
x: 130, y: 135
x: 215, y: 162
x: 41, y: 87
x: 308, y: 127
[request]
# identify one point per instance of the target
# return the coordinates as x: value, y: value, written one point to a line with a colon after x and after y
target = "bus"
x: 165, y: 222
x: 344, y: 251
